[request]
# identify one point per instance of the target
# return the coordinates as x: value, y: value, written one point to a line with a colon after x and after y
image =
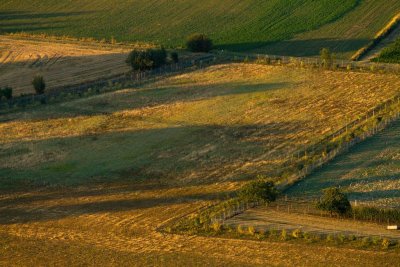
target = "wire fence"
x: 314, y: 62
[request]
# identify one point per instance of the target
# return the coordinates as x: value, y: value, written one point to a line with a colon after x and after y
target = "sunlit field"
x: 96, y: 177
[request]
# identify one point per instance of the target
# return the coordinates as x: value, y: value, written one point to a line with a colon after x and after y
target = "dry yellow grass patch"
x: 59, y: 63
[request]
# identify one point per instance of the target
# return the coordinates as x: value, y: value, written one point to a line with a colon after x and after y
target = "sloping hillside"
x: 279, y: 26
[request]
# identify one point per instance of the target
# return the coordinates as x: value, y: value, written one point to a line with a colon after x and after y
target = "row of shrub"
x: 154, y: 58
x: 297, y: 234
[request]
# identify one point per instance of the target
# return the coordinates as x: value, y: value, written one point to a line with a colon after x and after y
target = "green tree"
x: 326, y: 57
x: 39, y: 84
x: 334, y: 201
x: 147, y: 59
x: 262, y: 190
x: 199, y: 43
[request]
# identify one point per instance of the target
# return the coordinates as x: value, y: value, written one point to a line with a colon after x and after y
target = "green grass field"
x: 369, y: 173
x: 277, y: 26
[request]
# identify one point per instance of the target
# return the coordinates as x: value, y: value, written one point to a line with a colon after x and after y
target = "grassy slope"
x: 205, y: 127
x: 369, y: 173
x: 225, y: 123
x: 344, y: 35
x: 390, y: 54
x: 233, y: 24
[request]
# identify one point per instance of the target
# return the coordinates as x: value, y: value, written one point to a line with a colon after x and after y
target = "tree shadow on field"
x: 304, y: 48
x: 17, y: 21
x: 12, y: 215
x: 120, y: 164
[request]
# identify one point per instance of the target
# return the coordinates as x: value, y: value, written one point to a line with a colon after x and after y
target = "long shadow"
x: 162, y: 156
x: 151, y: 95
x: 305, y: 48
x: 16, y: 21
x: 24, y: 215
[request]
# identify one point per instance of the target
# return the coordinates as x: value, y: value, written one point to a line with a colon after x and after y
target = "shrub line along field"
x: 110, y: 169
x: 275, y: 27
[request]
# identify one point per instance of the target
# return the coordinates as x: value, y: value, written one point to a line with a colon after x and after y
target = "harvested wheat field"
x: 94, y: 178
x: 59, y: 63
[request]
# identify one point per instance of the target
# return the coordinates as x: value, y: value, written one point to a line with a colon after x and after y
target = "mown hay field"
x: 95, y: 177
x: 59, y: 63
x: 277, y: 26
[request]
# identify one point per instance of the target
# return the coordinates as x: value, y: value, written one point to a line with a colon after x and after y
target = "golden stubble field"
x: 90, y: 181
x: 59, y: 63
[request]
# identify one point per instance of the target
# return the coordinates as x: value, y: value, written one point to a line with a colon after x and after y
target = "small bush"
x: 366, y: 241
x: 330, y: 238
x: 216, y: 227
x: 376, y: 240
x: 174, y: 57
x: 351, y: 237
x: 6, y: 92
x: 386, y: 243
x: 297, y: 233
x: 326, y: 57
x: 307, y: 236
x: 147, y: 59
x: 39, y: 84
x: 199, y: 43
x: 251, y: 230
x: 273, y: 233
x: 240, y: 229
x: 261, y: 190
x: 341, y: 238
x: 284, y: 235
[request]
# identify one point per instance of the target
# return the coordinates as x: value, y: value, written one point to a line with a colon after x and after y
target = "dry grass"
x: 59, y: 63
x: 135, y: 159
x: 114, y: 226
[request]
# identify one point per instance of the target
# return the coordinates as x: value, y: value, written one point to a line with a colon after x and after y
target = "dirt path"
x: 268, y: 218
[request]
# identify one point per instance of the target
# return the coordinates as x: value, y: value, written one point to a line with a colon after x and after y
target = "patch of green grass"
x: 390, y: 54
x: 298, y: 27
x: 369, y: 173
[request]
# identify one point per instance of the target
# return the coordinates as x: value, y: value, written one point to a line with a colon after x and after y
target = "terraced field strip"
x: 279, y: 217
